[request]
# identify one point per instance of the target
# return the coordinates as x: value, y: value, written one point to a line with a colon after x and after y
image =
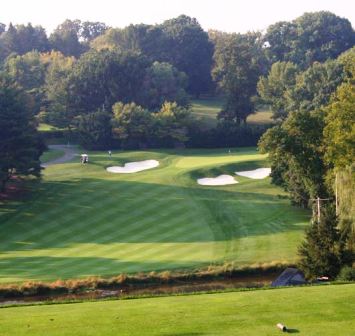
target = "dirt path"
x: 69, y: 153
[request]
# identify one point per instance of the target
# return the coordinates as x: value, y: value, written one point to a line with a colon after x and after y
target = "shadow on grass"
x: 87, y: 203
x: 49, y: 268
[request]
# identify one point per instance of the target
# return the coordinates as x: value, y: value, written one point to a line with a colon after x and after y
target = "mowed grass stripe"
x: 87, y: 221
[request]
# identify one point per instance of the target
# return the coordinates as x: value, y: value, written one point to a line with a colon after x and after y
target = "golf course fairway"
x: 81, y: 220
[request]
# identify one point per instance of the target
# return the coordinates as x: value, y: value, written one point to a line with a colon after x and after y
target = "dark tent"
x: 289, y: 277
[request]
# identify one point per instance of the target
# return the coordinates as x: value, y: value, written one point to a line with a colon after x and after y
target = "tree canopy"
x: 239, y: 61
x: 20, y: 146
x: 312, y: 37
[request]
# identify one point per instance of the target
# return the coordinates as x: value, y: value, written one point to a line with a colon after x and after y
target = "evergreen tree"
x: 20, y: 146
x: 321, y: 252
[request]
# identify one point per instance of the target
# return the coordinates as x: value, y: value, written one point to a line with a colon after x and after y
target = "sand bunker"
x: 257, y: 174
x: 217, y: 181
x: 134, y: 167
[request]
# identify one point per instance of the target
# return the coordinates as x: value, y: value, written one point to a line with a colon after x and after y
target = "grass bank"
x: 321, y: 310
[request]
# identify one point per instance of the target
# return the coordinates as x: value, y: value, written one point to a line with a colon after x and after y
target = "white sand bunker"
x: 217, y: 181
x: 134, y: 167
x: 257, y: 174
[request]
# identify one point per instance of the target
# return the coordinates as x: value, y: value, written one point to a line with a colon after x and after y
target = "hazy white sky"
x: 226, y: 15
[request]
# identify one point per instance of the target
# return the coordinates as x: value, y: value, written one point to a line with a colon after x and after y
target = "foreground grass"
x: 82, y: 221
x: 309, y: 311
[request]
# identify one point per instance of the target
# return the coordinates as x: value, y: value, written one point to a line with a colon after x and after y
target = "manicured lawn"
x: 206, y: 110
x: 310, y: 311
x: 43, y: 127
x: 262, y: 117
x: 81, y: 221
x: 51, y: 154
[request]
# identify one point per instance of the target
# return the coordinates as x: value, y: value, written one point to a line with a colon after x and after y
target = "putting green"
x: 82, y: 221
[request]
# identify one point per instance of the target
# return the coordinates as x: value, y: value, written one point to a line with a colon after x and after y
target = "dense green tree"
x: 344, y: 185
x: 171, y: 125
x: 132, y: 125
x: 28, y: 72
x: 65, y: 38
x: 278, y: 41
x: 311, y: 37
x: 20, y: 147
x: 56, y: 90
x: 101, y: 78
x: 94, y: 130
x: 163, y: 82
x: 315, y: 86
x: 239, y: 62
x: 296, y: 155
x: 274, y: 88
x: 321, y: 253
x: 339, y: 144
x: 339, y: 133
x: 347, y: 60
x: 22, y: 39
x: 136, y: 127
x: 90, y: 30
x: 130, y: 39
x: 180, y: 42
x: 188, y: 48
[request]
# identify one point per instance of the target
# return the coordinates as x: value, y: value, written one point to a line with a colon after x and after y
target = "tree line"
x: 188, y: 61
x: 312, y: 150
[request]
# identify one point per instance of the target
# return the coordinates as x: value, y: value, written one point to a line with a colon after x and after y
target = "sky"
x: 226, y: 15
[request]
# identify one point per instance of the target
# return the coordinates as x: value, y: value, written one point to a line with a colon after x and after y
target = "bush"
x: 347, y: 273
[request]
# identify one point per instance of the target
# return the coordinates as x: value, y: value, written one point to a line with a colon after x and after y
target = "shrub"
x: 347, y: 273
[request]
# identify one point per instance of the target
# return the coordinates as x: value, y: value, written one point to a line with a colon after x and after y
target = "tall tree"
x: 105, y: 77
x: 20, y: 146
x: 163, y: 82
x: 94, y: 130
x: 321, y: 253
x: 296, y: 155
x: 239, y: 61
x: 22, y: 39
x: 188, y: 48
x: 180, y: 41
x: 90, y: 30
x: 65, y: 38
x: 311, y: 37
x: 315, y: 86
x: 171, y: 125
x: 28, y: 72
x: 273, y: 89
x: 132, y: 125
x: 56, y: 89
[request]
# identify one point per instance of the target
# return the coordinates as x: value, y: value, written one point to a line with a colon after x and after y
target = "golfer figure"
x: 109, y: 153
